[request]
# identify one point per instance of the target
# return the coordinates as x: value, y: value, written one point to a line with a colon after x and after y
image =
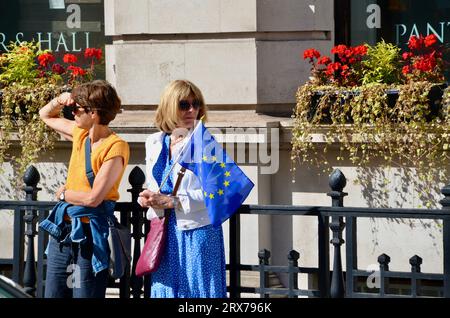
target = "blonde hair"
x: 168, y: 113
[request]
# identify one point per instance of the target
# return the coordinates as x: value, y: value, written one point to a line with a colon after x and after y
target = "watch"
x: 174, y: 202
x: 62, y: 195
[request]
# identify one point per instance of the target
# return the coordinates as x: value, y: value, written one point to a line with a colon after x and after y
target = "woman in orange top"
x: 84, y: 255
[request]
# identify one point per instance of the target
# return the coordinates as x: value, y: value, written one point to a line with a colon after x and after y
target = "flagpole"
x: 180, y: 153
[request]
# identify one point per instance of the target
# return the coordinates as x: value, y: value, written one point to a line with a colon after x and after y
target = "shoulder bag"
x: 119, y: 236
x: 155, y: 242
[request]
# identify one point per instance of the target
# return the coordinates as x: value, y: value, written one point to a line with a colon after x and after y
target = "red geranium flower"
x: 45, y: 59
x: 76, y: 71
x: 58, y: 69
x: 430, y: 40
x: 324, y: 60
x: 70, y: 58
x: 93, y: 53
x: 339, y: 49
x: 360, y: 50
x: 415, y: 43
x: 311, y: 53
x: 332, y: 68
x: 406, y: 70
x: 407, y: 55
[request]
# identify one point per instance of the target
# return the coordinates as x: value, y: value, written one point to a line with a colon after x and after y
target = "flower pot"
x: 434, y: 102
x: 326, y: 118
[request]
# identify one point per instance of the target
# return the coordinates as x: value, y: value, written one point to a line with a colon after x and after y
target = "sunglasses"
x: 185, y: 105
x: 76, y: 108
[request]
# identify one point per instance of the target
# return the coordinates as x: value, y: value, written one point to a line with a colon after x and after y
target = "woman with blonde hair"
x: 193, y: 263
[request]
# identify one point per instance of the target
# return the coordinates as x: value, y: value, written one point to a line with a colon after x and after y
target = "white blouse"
x: 191, y: 213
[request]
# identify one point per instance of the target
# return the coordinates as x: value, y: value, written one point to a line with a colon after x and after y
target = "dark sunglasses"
x: 185, y: 105
x: 75, y: 108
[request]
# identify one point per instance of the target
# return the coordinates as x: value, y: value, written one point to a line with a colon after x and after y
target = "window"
x: 63, y: 26
x: 395, y: 21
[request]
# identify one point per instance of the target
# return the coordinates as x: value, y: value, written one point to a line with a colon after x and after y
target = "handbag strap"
x: 175, y: 190
x: 89, y: 172
x: 177, y: 184
x: 87, y: 155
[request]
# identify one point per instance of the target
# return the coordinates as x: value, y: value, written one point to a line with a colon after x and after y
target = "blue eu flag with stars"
x: 224, y: 184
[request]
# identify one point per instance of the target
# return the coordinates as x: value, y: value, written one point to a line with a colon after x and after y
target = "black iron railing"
x: 29, y: 269
x: 332, y: 283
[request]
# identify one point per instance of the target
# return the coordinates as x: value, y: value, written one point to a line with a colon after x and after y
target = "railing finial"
x: 263, y: 255
x: 136, y: 177
x: 415, y: 263
x: 31, y: 176
x: 337, y: 180
x: 384, y: 261
x: 293, y: 255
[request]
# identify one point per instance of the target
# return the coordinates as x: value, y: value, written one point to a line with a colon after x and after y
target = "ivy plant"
x: 379, y: 107
x: 29, y: 79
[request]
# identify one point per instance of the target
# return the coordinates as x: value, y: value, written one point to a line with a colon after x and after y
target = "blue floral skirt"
x: 193, y: 265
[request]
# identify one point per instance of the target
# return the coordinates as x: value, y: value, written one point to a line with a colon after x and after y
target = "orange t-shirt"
x: 112, y: 146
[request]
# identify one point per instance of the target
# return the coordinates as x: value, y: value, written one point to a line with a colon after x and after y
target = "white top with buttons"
x: 191, y: 213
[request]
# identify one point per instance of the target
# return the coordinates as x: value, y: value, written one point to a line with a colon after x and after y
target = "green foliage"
x: 18, y: 66
x: 370, y: 127
x: 23, y: 94
x: 374, y: 107
x: 29, y: 79
x: 382, y: 64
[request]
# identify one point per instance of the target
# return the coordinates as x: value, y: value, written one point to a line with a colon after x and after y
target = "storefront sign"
x: 68, y: 28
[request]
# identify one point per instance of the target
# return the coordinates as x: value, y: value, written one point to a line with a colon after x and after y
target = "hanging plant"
x: 377, y: 106
x: 29, y: 79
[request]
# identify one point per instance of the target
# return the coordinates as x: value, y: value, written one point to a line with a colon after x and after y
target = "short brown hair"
x: 168, y: 113
x: 98, y: 95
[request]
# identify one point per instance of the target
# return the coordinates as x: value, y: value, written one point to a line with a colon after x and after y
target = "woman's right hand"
x: 51, y: 115
x: 65, y: 99
x: 155, y: 200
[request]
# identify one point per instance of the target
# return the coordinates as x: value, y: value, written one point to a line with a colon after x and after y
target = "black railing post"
x: 415, y: 263
x: 446, y: 239
x: 446, y: 247
x: 324, y: 255
x: 337, y: 183
x: 293, y: 257
x: 31, y: 179
x: 384, y: 261
x: 351, y: 254
x: 263, y: 256
x: 235, y: 255
x: 136, y: 179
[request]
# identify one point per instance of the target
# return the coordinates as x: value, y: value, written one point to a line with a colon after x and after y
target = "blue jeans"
x: 69, y: 269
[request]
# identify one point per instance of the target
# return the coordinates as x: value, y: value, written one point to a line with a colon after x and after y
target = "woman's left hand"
x: 58, y: 192
x: 155, y: 200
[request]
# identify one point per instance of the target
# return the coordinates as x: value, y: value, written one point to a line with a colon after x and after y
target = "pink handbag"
x: 155, y: 242
x: 154, y: 247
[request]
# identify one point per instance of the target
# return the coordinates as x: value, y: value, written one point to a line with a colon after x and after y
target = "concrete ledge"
x: 218, y: 119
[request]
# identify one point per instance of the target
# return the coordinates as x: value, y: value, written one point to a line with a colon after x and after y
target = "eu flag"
x: 224, y: 184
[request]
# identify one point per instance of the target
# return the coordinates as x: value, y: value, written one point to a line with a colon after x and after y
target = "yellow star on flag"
x: 220, y: 192
x: 205, y: 158
x: 222, y: 165
x: 214, y: 158
x: 226, y: 183
x: 211, y: 196
x: 227, y: 174
x: 204, y: 193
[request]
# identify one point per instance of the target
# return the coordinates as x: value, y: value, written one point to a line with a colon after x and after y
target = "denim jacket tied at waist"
x: 99, y: 227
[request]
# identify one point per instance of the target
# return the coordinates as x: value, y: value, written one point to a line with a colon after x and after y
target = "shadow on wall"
x: 375, y: 187
x: 52, y: 176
